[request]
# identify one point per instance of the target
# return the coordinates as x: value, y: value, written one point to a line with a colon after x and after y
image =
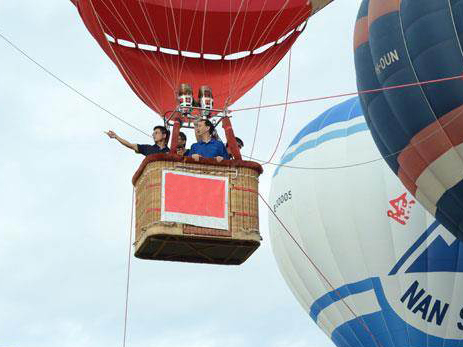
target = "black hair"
x: 163, y: 130
x: 209, y: 124
x: 182, y: 136
x: 239, y: 141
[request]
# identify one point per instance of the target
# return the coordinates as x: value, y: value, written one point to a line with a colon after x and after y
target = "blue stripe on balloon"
x: 414, y: 247
x: 346, y: 110
x: 335, y: 134
x: 439, y: 257
x: 363, y: 10
x: 449, y: 209
x: 342, y: 292
x: 385, y: 328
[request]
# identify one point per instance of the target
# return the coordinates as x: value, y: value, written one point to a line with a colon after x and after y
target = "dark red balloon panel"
x: 228, y: 45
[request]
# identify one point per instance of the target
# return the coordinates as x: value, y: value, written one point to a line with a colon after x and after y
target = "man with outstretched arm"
x: 160, y: 137
x: 207, y: 146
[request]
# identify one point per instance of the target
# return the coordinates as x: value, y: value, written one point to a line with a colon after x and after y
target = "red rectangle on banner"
x: 194, y: 195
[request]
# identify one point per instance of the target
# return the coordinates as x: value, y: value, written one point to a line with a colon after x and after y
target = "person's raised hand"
x: 111, y: 134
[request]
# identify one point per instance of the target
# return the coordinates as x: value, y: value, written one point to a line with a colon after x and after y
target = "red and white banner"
x: 195, y: 199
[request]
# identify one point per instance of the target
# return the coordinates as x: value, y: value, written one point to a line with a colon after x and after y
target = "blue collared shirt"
x: 210, y: 149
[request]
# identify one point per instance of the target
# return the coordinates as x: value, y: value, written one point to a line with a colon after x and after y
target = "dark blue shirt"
x: 211, y: 149
x: 151, y: 149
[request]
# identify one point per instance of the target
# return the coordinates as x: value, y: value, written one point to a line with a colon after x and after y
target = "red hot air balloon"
x: 227, y: 45
x: 165, y: 46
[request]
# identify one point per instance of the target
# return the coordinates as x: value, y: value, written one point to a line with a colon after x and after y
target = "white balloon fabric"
x: 384, y: 272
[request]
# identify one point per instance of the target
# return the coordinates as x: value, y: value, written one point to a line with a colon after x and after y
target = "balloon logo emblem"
x: 402, y: 208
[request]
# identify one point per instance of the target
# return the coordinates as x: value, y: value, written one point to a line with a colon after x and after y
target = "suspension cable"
x: 258, y: 116
x: 129, y: 260
x: 285, y: 111
x: 318, y: 270
x: 67, y: 85
x: 368, y: 91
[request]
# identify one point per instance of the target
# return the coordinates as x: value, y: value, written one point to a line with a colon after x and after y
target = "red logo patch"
x: 401, y: 209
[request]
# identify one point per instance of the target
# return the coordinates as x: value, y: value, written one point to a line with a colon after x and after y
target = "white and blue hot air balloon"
x: 382, y: 272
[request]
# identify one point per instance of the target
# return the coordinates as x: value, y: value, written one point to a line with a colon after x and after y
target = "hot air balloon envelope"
x: 382, y: 272
x: 227, y: 45
x: 419, y: 129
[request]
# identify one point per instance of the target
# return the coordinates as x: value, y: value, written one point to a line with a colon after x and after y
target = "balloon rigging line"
x: 258, y: 116
x: 267, y: 59
x: 442, y: 127
x: 129, y: 260
x: 318, y: 270
x: 234, y: 75
x: 130, y: 77
x: 323, y: 167
x: 180, y: 70
x: 271, y: 58
x: 69, y: 86
x: 229, y: 43
x: 285, y: 111
x: 265, y: 33
x: 368, y: 91
x: 14, y: 46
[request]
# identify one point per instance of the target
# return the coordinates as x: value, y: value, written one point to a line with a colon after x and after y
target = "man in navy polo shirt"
x: 206, y: 146
x: 160, y: 137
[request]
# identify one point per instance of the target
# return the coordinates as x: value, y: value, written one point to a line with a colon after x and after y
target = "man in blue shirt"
x: 206, y: 146
x: 160, y: 137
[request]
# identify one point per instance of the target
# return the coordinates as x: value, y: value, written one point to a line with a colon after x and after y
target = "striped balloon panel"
x: 418, y: 128
x: 375, y: 269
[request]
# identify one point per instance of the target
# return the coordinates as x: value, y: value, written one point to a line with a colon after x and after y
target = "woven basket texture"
x: 243, y: 201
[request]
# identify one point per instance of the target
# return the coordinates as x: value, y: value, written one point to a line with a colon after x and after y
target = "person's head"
x: 181, y: 150
x: 204, y: 127
x: 238, y: 141
x: 182, y: 139
x: 160, y: 134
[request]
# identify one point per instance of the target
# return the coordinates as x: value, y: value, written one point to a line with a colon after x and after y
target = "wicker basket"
x: 173, y: 241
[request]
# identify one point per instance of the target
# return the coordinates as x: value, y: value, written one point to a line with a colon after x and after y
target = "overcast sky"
x: 65, y: 196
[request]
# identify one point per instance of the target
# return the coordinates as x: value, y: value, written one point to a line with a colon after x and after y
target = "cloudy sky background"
x: 65, y: 196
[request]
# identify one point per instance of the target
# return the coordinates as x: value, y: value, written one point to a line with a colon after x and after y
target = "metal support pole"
x: 231, y: 140
x: 174, y: 140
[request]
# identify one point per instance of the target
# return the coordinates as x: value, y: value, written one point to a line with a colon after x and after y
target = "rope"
x: 67, y: 85
x: 129, y: 260
x: 258, y: 116
x: 21, y: 51
x: 321, y: 167
x: 442, y: 127
x: 285, y: 111
x: 360, y: 319
x: 368, y: 91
